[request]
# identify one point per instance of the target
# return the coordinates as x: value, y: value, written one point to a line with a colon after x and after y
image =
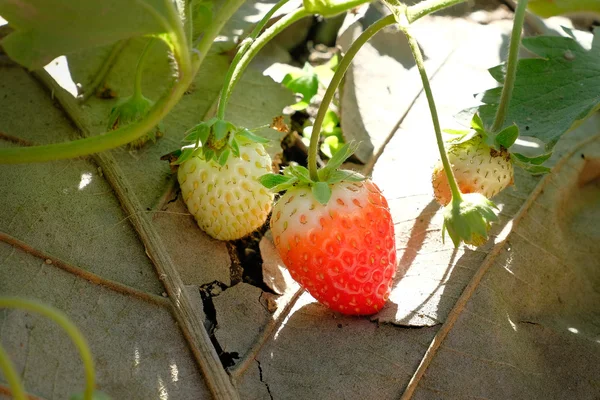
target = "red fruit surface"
x: 343, y: 253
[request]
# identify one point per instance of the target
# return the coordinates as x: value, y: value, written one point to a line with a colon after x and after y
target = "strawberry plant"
x: 187, y: 92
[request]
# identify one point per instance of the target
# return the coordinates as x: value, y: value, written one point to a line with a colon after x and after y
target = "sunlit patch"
x: 301, y: 302
x: 163, y: 394
x: 136, y: 357
x: 86, y: 178
x: 512, y: 324
x: 59, y: 70
x: 174, y: 372
x: 573, y: 330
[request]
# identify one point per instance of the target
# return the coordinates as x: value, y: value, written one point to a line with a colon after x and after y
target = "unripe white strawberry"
x: 477, y: 168
x: 228, y: 201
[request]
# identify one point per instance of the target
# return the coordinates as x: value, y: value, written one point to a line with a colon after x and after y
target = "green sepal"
x: 469, y: 219
x: 235, y: 147
x: 460, y: 136
x: 251, y: 136
x: 345, y: 175
x: 299, y: 172
x: 223, y: 156
x: 322, y: 192
x: 538, y: 160
x: 185, y: 155
x: 221, y: 129
x: 477, y: 124
x: 277, y: 182
x: 208, y: 154
x: 507, y: 137
x: 532, y: 168
x: 337, y: 160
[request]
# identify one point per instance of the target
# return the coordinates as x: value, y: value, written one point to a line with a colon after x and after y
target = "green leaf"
x: 553, y: 93
x: 46, y: 29
x: 272, y: 180
x: 330, y: 122
x: 508, y: 136
x: 322, y: 192
x: 331, y: 145
x: 305, y: 83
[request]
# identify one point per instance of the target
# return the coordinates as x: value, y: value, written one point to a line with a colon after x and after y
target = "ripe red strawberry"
x: 343, y: 252
x: 477, y: 168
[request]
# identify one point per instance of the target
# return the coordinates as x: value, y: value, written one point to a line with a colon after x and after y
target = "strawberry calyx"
x: 216, y: 139
x: 500, y: 144
x: 129, y: 110
x: 296, y: 175
x: 468, y: 219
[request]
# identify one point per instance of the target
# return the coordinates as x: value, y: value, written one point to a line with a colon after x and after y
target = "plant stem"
x: 225, y: 13
x: 333, y: 85
x: 63, y: 321
x: 426, y: 7
x: 246, y: 43
x: 511, y: 67
x: 137, y: 84
x: 10, y: 374
x: 418, y: 56
x: 244, y: 59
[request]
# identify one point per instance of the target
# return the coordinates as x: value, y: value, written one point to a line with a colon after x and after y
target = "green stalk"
x: 139, y: 70
x: 188, y: 68
x: 418, y: 56
x: 511, y: 67
x: 10, y: 374
x: 335, y: 82
x: 63, y: 321
x: 225, y: 13
x: 246, y: 43
x: 244, y: 60
x: 426, y: 7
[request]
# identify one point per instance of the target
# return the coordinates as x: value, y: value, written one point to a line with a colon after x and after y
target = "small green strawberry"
x: 130, y: 110
x: 220, y: 180
x: 477, y: 167
x: 335, y: 235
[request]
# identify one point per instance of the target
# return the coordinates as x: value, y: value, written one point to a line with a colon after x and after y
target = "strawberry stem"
x: 139, y: 70
x: 427, y: 7
x: 418, y: 56
x: 10, y: 374
x: 250, y: 48
x: 65, y: 323
x: 333, y: 85
x: 511, y: 67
